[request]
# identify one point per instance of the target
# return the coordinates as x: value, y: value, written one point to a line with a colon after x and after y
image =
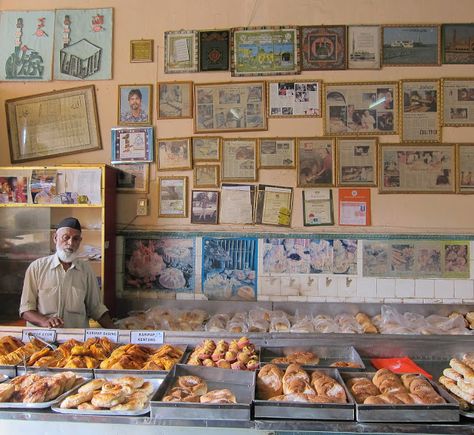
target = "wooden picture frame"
x: 269, y: 50
x: 205, y: 207
x: 181, y: 51
x: 364, y: 47
x: 294, y: 98
x: 175, y: 100
x: 235, y: 106
x: 365, y: 108
x: 417, y: 168
x: 141, y: 50
x: 174, y: 153
x: 25, y: 117
x: 318, y: 207
x: 458, y: 102
x: 456, y: 43
x: 135, y: 104
x: 214, y: 50
x: 172, y: 197
x: 132, y: 144
x: 276, y: 152
x: 206, y: 175
x: 274, y: 205
x: 323, y: 48
x: 356, y: 161
x: 411, y: 45
x: 206, y: 148
x: 239, y: 160
x: 465, y: 165
x: 315, y: 161
x: 133, y: 178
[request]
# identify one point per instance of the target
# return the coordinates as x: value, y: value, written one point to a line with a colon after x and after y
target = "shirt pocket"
x: 75, y: 300
x: 48, y: 299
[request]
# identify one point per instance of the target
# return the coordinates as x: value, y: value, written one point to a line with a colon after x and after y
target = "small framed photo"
x: 135, y: 104
x: 411, y: 45
x: 457, y: 43
x: 356, y: 161
x: 315, y: 161
x: 172, y: 197
x: 364, y: 45
x: 318, y: 207
x: 239, y: 160
x: 132, y: 144
x: 206, y: 175
x: 274, y: 205
x: 141, y: 50
x: 276, y: 153
x: 465, y: 156
x: 181, y: 51
x: 174, y: 153
x: 291, y: 99
x: 206, y: 149
x: 205, y: 207
x: 458, y: 102
x: 323, y: 48
x: 175, y: 100
x: 133, y: 178
x: 214, y: 46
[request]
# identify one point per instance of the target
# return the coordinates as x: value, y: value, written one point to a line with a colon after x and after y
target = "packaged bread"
x: 366, y: 324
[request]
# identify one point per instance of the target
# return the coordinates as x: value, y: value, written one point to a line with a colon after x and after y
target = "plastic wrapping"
x: 259, y: 320
x: 217, y: 323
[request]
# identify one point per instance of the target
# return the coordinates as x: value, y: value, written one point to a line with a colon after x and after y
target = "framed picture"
x: 411, y: 45
x: 206, y: 175
x: 172, y: 197
x: 364, y: 45
x: 465, y: 165
x: 181, y: 51
x: 175, y: 100
x: 206, y: 149
x: 133, y: 178
x: 141, y: 50
x: 458, y: 102
x: 421, y: 111
x: 25, y: 117
x: 204, y: 207
x: 416, y: 169
x: 269, y: 50
x: 274, y: 205
x: 288, y: 99
x: 277, y: 152
x: 132, y: 144
x: 317, y: 207
x: 236, y: 106
x: 323, y: 47
x: 174, y: 153
x: 135, y: 104
x: 367, y: 108
x: 315, y: 161
x: 214, y: 46
x: 239, y: 160
x: 14, y: 189
x: 356, y: 160
x: 457, y: 43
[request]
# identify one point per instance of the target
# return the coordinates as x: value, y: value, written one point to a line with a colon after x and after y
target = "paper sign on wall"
x: 354, y: 207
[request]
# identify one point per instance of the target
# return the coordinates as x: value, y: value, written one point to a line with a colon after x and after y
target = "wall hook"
x: 328, y: 281
x: 348, y: 281
x: 310, y: 281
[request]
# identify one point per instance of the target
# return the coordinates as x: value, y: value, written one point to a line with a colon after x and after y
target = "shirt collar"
x: 56, y: 262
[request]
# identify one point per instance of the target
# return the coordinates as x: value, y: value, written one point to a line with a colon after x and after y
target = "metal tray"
x: 22, y: 370
x: 3, y: 378
x: 443, y: 412
x: 308, y: 411
x: 240, y: 382
x: 327, y: 355
x: 56, y: 405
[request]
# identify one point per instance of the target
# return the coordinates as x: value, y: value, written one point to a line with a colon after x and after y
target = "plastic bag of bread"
x: 348, y: 324
x: 302, y: 324
x: 436, y: 324
x: 195, y: 318
x: 160, y: 314
x: 325, y: 324
x: 259, y: 320
x: 392, y: 322
x: 238, y: 323
x: 279, y: 322
x: 136, y: 321
x: 217, y: 322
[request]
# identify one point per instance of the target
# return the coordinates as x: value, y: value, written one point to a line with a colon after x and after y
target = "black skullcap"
x: 70, y: 222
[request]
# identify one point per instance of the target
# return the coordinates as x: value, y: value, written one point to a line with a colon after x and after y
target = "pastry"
x: 193, y: 383
x: 95, y: 384
x: 6, y: 391
x: 130, y: 405
x: 107, y: 400
x: 218, y: 396
x: 76, y: 399
x: 349, y: 364
x: 132, y: 381
x: 462, y: 369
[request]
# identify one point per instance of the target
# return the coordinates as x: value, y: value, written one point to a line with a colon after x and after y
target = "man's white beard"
x: 66, y: 257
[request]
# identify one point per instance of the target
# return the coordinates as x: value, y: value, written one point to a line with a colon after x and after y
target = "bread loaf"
x: 269, y: 382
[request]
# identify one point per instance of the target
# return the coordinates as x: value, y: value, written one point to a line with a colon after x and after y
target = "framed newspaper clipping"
x: 458, y: 102
x: 292, y: 99
x: 356, y: 161
x: 239, y: 160
x: 465, y: 156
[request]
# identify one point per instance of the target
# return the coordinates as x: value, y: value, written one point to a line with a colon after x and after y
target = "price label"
x: 147, y: 337
x: 111, y: 334
x: 48, y: 335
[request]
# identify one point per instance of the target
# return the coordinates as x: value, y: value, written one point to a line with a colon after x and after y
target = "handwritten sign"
x: 147, y: 337
x: 48, y: 335
x: 111, y: 334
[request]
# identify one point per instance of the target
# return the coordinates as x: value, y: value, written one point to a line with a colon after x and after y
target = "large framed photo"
x: 421, y: 113
x: 175, y: 100
x: 135, y: 104
x: 457, y: 43
x: 181, y: 51
x: 239, y: 160
x: 315, y: 161
x: 172, y: 197
x: 214, y: 47
x: 204, y: 207
x: 356, y: 160
x: 277, y: 152
x: 368, y: 108
x: 52, y: 115
x: 364, y: 47
x: 417, y: 168
x: 206, y: 175
x: 458, y: 102
x: 236, y: 106
x: 410, y: 45
x: 206, y: 149
x: 323, y: 47
x: 133, y: 178
x: 174, y: 153
x: 288, y: 99
x: 465, y: 165
x: 132, y: 144
x: 265, y: 51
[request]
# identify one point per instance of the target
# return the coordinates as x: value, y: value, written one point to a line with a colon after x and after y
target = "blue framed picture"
x: 132, y: 144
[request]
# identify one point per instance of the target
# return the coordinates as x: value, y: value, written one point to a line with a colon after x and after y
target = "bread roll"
x: 453, y: 387
x: 269, y: 381
x: 468, y: 359
x: 466, y: 386
x: 132, y: 381
x: 362, y: 388
x: 462, y: 369
x: 95, y: 384
x: 328, y: 387
x: 75, y: 400
x: 107, y: 400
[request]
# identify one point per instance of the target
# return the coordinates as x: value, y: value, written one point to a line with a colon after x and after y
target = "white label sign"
x: 48, y: 335
x: 111, y: 334
x: 147, y: 337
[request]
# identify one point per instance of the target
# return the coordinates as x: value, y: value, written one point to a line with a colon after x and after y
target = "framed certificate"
x: 274, y: 205
x: 317, y: 207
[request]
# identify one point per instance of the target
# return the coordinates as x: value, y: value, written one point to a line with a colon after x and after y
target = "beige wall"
x: 150, y: 18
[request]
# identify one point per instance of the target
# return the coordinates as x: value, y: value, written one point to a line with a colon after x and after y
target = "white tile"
x: 297, y: 299
x: 444, y: 288
x: 360, y: 251
x: 433, y: 301
x: 327, y: 286
x: 288, y: 291
x: 263, y: 298
x: 468, y: 301
x: 451, y: 301
x: 412, y: 301
x: 354, y: 300
x: 270, y: 285
x: 424, y: 288
x: 373, y: 300
x: 331, y: 299
x: 366, y: 287
x: 278, y: 298
x: 404, y: 288
x: 309, y: 285
x: 392, y: 301
x: 386, y: 288
x: 316, y: 299
x: 290, y: 285
x: 463, y: 289
x: 346, y: 287
x: 184, y: 296
x: 200, y: 297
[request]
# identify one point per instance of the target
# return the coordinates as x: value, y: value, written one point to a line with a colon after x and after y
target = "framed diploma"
x: 317, y: 207
x: 274, y: 205
x: 458, y: 102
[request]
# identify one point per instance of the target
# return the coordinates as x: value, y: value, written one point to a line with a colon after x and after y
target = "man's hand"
x: 53, y: 322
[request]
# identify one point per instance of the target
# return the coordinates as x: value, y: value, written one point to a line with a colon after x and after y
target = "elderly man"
x: 61, y: 291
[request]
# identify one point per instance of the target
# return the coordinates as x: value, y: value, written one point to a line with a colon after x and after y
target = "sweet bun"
x: 147, y: 388
x: 107, y: 400
x: 193, y: 383
x: 349, y: 364
x: 218, y: 396
x: 110, y: 387
x: 132, y: 381
x: 95, y: 384
x: 76, y: 399
x: 131, y: 405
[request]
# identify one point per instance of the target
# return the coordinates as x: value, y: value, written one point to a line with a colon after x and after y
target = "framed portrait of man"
x: 134, y: 104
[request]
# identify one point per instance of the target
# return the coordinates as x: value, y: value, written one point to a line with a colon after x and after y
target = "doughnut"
x: 95, y: 384
x: 76, y: 399
x: 193, y: 383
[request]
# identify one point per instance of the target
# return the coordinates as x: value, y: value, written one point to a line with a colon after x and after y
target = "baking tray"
x: 240, y: 382
x: 308, y: 411
x: 22, y: 370
x: 56, y: 405
x: 443, y: 412
x: 327, y: 355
